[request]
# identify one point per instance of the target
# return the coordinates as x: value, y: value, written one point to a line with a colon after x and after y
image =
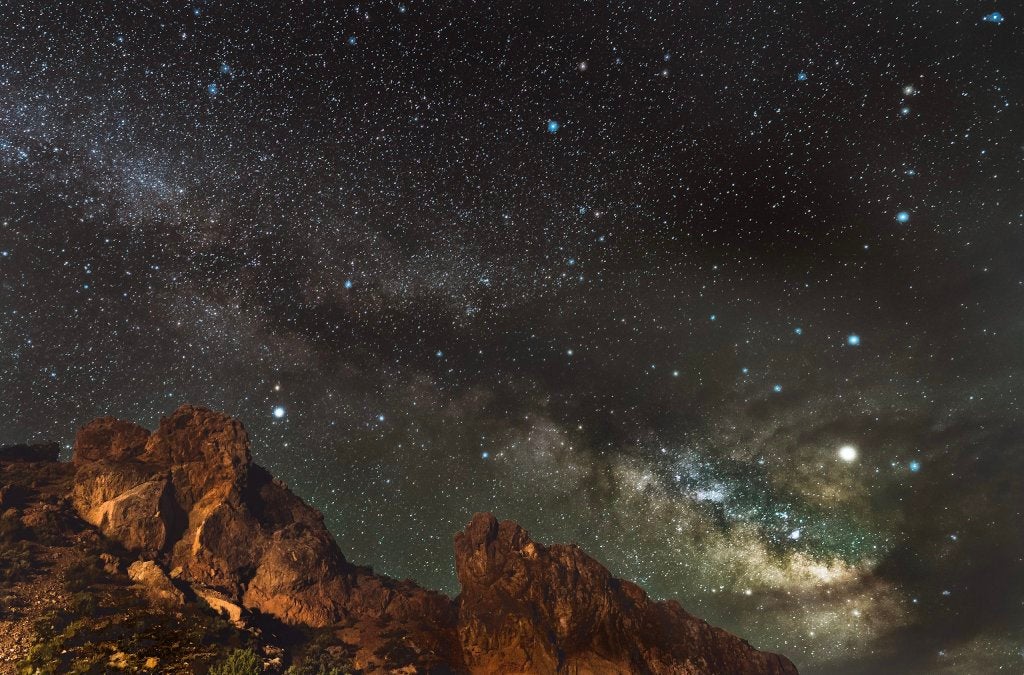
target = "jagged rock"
x: 148, y: 575
x: 129, y: 502
x: 110, y: 439
x: 190, y: 493
x: 219, y: 603
x: 189, y: 496
x: 526, y: 607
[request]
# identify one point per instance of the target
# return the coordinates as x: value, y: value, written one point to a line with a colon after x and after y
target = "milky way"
x: 730, y: 295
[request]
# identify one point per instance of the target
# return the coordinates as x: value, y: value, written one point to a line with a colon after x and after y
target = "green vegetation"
x: 320, y: 656
x: 239, y: 662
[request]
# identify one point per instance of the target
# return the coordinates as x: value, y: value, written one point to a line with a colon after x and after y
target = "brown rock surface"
x: 189, y: 498
x: 189, y: 495
x: 148, y: 575
x: 526, y: 607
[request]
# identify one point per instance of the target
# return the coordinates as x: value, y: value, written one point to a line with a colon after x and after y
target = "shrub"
x: 239, y: 662
x: 83, y: 604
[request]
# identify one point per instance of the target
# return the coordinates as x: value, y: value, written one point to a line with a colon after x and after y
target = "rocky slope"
x: 193, y: 520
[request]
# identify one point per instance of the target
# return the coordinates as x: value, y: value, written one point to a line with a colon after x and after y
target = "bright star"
x: 279, y: 412
x: 212, y: 89
x: 995, y: 17
x: 853, y: 340
x: 553, y: 126
x: 914, y: 466
x: 903, y: 217
x: 801, y: 76
x: 798, y: 330
x: 777, y: 389
x: 794, y: 535
x: 348, y: 283
x: 848, y: 453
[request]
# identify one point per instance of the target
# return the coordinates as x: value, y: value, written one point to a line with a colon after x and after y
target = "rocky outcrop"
x: 154, y: 583
x: 187, y: 498
x: 530, y: 608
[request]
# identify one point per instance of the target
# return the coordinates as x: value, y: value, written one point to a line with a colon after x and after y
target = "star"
x: 853, y: 340
x: 903, y: 216
x: 993, y: 17
x: 279, y: 412
x: 553, y: 126
x: 848, y: 453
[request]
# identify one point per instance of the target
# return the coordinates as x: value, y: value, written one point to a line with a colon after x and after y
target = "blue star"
x: 553, y: 126
x: 713, y: 317
x: 777, y: 389
x: 994, y: 17
x: 485, y: 454
x: 798, y: 330
x: 225, y: 69
x: 801, y: 76
x: 853, y: 340
x: 352, y: 40
x: 212, y: 89
x: 279, y: 412
x: 914, y: 466
x: 348, y: 283
x: 903, y: 217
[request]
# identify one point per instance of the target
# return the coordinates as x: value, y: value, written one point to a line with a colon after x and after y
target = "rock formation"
x: 188, y: 498
x: 526, y: 607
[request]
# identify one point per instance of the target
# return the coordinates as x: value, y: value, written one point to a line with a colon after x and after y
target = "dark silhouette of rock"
x: 41, y: 452
x: 188, y: 499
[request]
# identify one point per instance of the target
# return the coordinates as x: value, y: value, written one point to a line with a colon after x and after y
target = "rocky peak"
x: 526, y: 607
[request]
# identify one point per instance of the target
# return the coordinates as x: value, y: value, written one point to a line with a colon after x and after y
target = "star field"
x: 729, y: 294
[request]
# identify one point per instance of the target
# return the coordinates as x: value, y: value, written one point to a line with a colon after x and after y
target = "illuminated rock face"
x: 188, y: 497
x: 526, y: 607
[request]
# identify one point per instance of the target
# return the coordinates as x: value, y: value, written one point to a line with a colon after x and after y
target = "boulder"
x: 128, y: 502
x: 148, y: 576
x: 110, y: 439
x: 219, y: 602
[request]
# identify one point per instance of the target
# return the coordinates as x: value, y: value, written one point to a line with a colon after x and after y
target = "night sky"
x: 728, y: 293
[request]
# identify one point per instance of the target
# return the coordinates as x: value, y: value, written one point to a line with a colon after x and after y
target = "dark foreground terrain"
x: 170, y: 551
